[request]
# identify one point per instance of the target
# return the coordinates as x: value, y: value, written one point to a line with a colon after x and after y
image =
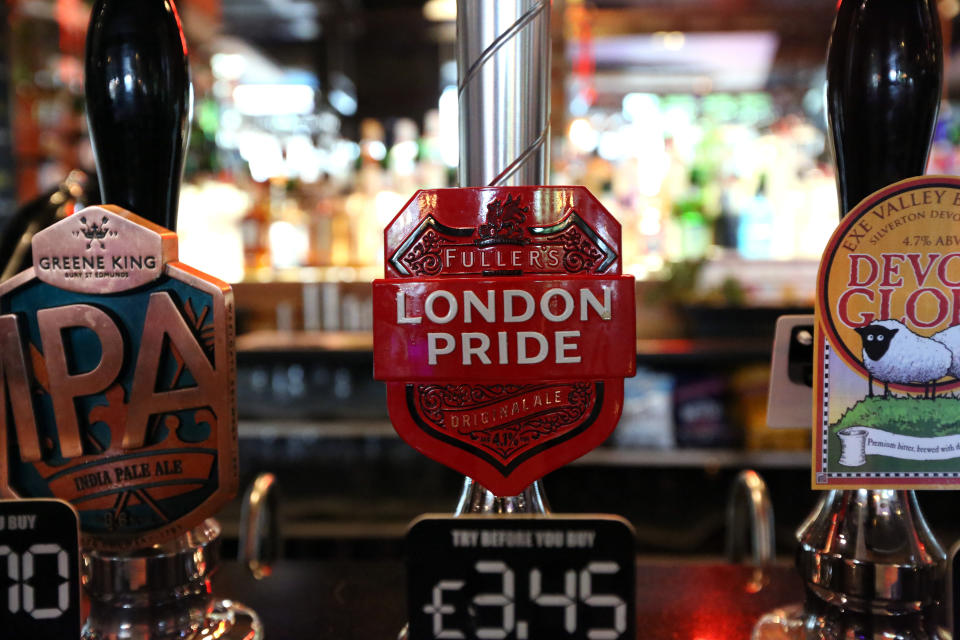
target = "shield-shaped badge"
x: 504, y: 329
x: 116, y: 381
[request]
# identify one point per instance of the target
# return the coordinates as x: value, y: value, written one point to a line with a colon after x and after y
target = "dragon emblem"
x: 504, y: 223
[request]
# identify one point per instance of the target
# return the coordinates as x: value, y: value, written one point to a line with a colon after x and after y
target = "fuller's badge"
x: 504, y: 329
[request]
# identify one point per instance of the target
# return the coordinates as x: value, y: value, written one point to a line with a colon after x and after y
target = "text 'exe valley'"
x: 898, y: 210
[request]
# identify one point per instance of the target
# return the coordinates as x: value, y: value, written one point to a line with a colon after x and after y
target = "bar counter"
x: 347, y: 600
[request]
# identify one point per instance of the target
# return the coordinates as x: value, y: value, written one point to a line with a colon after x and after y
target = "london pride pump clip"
x: 504, y: 329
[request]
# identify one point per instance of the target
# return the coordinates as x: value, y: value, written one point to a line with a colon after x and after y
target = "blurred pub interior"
x: 698, y: 123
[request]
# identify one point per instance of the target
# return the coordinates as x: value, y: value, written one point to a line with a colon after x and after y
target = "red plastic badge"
x: 504, y: 329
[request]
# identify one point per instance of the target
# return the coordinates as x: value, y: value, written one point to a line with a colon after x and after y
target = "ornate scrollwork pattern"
x: 579, y: 253
x: 424, y: 257
x: 446, y: 405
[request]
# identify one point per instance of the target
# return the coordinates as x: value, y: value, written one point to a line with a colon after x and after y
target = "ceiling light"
x: 583, y: 136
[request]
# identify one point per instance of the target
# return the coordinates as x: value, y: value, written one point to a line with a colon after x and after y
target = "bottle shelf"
x: 720, y: 458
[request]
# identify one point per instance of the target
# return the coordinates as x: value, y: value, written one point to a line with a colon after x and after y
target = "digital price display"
x: 521, y: 578
x: 39, y: 570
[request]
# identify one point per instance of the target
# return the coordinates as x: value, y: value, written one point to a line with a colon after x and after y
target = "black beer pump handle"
x: 884, y: 77
x: 139, y: 103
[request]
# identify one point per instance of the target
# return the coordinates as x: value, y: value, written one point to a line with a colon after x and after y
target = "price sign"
x: 504, y: 329
x: 521, y: 578
x: 116, y: 381
x: 39, y: 570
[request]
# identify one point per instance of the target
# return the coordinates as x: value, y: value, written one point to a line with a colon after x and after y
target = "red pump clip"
x: 504, y: 329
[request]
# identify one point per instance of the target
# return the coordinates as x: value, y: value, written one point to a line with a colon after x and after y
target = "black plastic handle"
x: 139, y: 103
x: 884, y: 78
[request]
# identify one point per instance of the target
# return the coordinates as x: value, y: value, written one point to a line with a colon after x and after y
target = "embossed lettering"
x: 15, y: 382
x: 64, y: 387
x: 164, y: 320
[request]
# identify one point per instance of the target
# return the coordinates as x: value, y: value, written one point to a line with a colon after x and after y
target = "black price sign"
x: 521, y: 578
x: 39, y: 570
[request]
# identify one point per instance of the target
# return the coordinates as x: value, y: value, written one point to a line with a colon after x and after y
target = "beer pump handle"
x: 139, y: 103
x: 884, y: 74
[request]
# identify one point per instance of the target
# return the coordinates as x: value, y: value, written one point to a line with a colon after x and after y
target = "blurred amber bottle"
x: 255, y: 230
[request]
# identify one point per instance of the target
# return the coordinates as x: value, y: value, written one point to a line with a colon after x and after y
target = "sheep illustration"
x: 950, y: 338
x: 894, y: 353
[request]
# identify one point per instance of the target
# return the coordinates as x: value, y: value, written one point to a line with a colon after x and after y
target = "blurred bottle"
x: 321, y: 225
x: 341, y: 233
x: 689, y: 214
x: 726, y: 228
x: 365, y: 232
x: 432, y: 171
x: 255, y: 231
x: 289, y: 232
x: 755, y: 234
x: 403, y: 156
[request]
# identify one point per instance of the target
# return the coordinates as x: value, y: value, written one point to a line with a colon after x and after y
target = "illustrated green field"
x: 909, y: 416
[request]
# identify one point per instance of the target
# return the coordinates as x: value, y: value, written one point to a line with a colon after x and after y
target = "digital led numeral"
x: 577, y: 589
x: 438, y: 608
x: 568, y: 600
x: 592, y: 599
x: 20, y: 570
x: 503, y: 599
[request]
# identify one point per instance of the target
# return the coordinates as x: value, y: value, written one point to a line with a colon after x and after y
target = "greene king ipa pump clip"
x: 117, y: 363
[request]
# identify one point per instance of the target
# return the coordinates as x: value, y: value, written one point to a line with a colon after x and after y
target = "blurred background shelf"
x: 305, y: 434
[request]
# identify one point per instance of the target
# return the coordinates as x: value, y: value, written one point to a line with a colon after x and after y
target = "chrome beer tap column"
x: 163, y: 592
x: 503, y: 62
x: 870, y: 564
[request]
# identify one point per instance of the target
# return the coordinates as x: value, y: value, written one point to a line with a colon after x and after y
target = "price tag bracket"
x: 791, y: 373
